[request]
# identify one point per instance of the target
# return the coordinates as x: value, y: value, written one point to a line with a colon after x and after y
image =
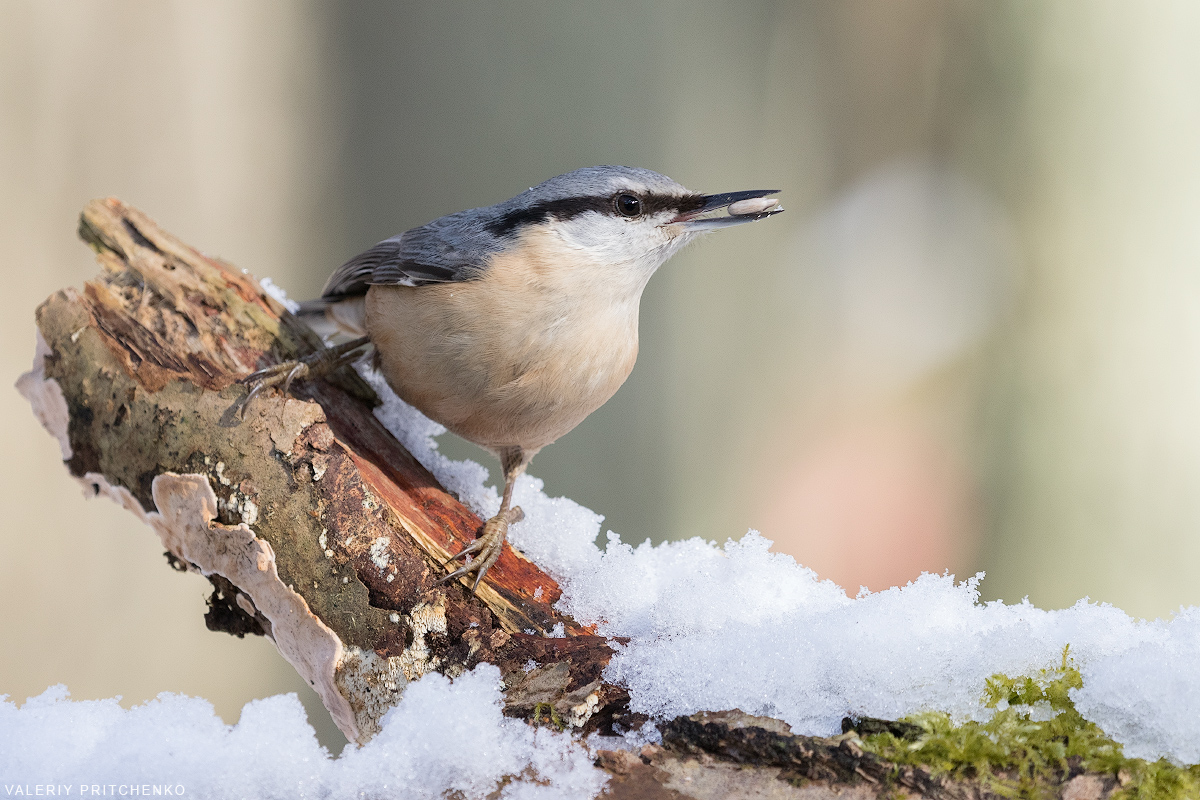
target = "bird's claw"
x: 489, y: 545
x: 318, y: 363
x: 285, y: 373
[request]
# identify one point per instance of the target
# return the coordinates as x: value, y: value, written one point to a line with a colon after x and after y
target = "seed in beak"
x: 756, y: 205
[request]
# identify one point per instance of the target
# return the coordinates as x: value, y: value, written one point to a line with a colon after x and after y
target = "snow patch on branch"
x: 441, y: 738
x: 738, y: 626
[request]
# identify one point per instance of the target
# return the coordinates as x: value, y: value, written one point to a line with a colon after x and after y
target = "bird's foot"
x: 320, y: 363
x: 486, y: 548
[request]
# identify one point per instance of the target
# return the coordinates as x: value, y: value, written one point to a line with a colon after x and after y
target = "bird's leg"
x: 319, y: 363
x: 490, y: 542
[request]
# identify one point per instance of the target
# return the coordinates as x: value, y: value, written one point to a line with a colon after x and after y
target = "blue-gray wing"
x: 453, y: 248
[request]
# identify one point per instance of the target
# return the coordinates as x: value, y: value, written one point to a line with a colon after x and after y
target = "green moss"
x: 1015, y: 755
x: 551, y: 718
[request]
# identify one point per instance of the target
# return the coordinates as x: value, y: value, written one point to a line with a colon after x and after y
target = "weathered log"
x: 319, y: 530
x: 316, y: 527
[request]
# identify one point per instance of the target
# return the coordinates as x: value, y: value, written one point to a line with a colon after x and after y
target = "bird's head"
x: 626, y: 216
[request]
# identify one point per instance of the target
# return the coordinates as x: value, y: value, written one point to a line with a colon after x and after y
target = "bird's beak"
x: 742, y: 207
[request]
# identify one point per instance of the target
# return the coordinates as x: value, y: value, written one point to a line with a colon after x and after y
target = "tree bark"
x: 319, y: 530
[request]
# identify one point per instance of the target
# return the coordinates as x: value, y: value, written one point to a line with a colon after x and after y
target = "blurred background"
x: 971, y: 343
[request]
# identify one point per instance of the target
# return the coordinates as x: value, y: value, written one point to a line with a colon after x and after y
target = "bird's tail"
x: 312, y: 308
x: 331, y: 317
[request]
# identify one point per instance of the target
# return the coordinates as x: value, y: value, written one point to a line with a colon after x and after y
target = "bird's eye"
x: 628, y: 205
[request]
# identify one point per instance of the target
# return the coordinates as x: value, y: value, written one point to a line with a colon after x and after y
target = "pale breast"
x: 518, y: 356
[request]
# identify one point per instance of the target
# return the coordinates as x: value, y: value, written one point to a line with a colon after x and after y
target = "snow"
x: 738, y: 626
x: 709, y: 627
x: 441, y: 738
x: 276, y: 291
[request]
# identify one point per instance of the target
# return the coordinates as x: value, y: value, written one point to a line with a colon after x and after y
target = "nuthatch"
x: 510, y: 324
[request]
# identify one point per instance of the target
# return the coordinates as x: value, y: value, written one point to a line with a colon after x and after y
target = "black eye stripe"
x: 657, y: 203
x: 571, y: 207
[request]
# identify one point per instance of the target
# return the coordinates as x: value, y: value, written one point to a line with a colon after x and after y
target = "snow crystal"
x: 440, y: 738
x: 1146, y: 694
x: 453, y: 737
x: 275, y: 290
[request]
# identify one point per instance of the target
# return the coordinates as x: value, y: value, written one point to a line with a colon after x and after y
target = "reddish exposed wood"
x: 515, y: 588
